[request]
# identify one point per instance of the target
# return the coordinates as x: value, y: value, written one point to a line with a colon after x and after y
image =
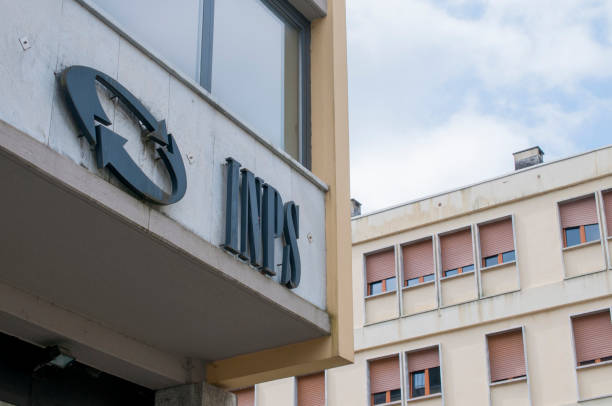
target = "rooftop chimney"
x: 355, y: 208
x: 528, y: 157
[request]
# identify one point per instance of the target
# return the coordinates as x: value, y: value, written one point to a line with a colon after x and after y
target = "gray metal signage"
x: 263, y: 218
x: 79, y: 84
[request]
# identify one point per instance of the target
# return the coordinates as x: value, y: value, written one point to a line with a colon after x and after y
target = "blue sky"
x: 441, y: 92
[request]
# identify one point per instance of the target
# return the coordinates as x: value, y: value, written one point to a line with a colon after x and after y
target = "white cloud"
x: 443, y: 91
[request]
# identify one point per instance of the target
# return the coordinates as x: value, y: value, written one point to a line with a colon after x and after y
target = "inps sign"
x: 263, y: 218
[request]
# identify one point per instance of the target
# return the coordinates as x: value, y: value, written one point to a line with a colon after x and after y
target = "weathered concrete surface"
x: 206, y: 132
x: 197, y: 394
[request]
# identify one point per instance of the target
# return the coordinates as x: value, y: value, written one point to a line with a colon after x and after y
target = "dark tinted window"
x: 508, y: 256
x: 380, y: 397
x: 591, y: 232
x: 375, y: 287
x: 572, y: 236
x: 391, y: 284
x: 490, y: 261
x: 396, y: 395
x: 418, y: 384
x: 435, y: 383
x: 428, y: 278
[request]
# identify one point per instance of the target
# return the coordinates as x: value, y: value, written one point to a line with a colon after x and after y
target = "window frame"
x: 406, y: 375
x: 573, y: 344
x: 483, y: 269
x: 364, y: 273
x: 369, y: 394
x: 289, y: 15
x: 488, y: 361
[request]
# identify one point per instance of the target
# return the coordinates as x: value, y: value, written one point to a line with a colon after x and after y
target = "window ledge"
x: 595, y: 398
x: 396, y: 402
x: 508, y: 381
x: 457, y: 276
x: 419, y: 285
x: 380, y: 294
x: 593, y: 365
x: 497, y: 266
x: 415, y: 400
x: 106, y: 19
x: 584, y: 244
x: 568, y: 278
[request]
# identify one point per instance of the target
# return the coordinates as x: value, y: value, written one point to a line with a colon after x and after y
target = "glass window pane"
x: 255, y: 69
x: 391, y: 284
x: 375, y: 288
x: 413, y: 281
x: 490, y: 261
x: 468, y: 268
x: 591, y: 232
x: 572, y: 236
x: 451, y: 272
x: 169, y: 28
x: 435, y: 383
x: 418, y: 384
x: 396, y: 395
x: 380, y: 397
x: 508, y: 256
x: 428, y: 278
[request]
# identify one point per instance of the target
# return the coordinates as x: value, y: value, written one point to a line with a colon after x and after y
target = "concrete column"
x: 197, y: 394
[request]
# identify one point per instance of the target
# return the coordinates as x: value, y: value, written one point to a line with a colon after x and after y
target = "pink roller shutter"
x: 418, y: 259
x: 496, y: 238
x: 593, y: 336
x: 607, y: 202
x: 420, y: 360
x: 384, y: 375
x: 457, y: 250
x: 578, y: 212
x: 246, y: 397
x: 506, y: 355
x: 380, y: 266
x: 311, y: 390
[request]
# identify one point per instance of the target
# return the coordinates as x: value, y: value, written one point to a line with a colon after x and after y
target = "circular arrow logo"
x: 79, y: 84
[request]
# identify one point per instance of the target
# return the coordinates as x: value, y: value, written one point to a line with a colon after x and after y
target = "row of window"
x: 310, y: 392
x: 252, y: 55
x: 579, y: 225
x: 506, y: 351
x: 496, y: 241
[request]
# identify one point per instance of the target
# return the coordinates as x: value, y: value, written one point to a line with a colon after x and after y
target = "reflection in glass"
x: 572, y: 236
x: 255, y: 70
x: 591, y: 232
x: 508, y: 256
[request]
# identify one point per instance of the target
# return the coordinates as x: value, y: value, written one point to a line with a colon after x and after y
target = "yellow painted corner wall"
x: 330, y: 162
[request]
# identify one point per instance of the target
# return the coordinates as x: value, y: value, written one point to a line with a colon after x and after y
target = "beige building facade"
x: 504, y: 297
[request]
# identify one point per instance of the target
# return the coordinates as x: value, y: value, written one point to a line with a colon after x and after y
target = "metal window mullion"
x: 206, y: 44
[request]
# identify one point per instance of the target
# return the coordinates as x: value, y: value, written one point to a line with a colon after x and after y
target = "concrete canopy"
x: 80, y: 243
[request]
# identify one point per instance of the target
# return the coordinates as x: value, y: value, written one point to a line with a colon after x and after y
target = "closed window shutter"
x: 506, y: 355
x: 496, y: 238
x: 607, y: 200
x: 245, y: 397
x: 425, y: 359
x: 384, y: 375
x: 418, y: 259
x: 380, y: 266
x: 457, y: 250
x: 593, y: 336
x: 578, y: 212
x: 311, y: 390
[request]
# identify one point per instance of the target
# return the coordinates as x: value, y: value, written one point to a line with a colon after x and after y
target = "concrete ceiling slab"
x: 71, y: 251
